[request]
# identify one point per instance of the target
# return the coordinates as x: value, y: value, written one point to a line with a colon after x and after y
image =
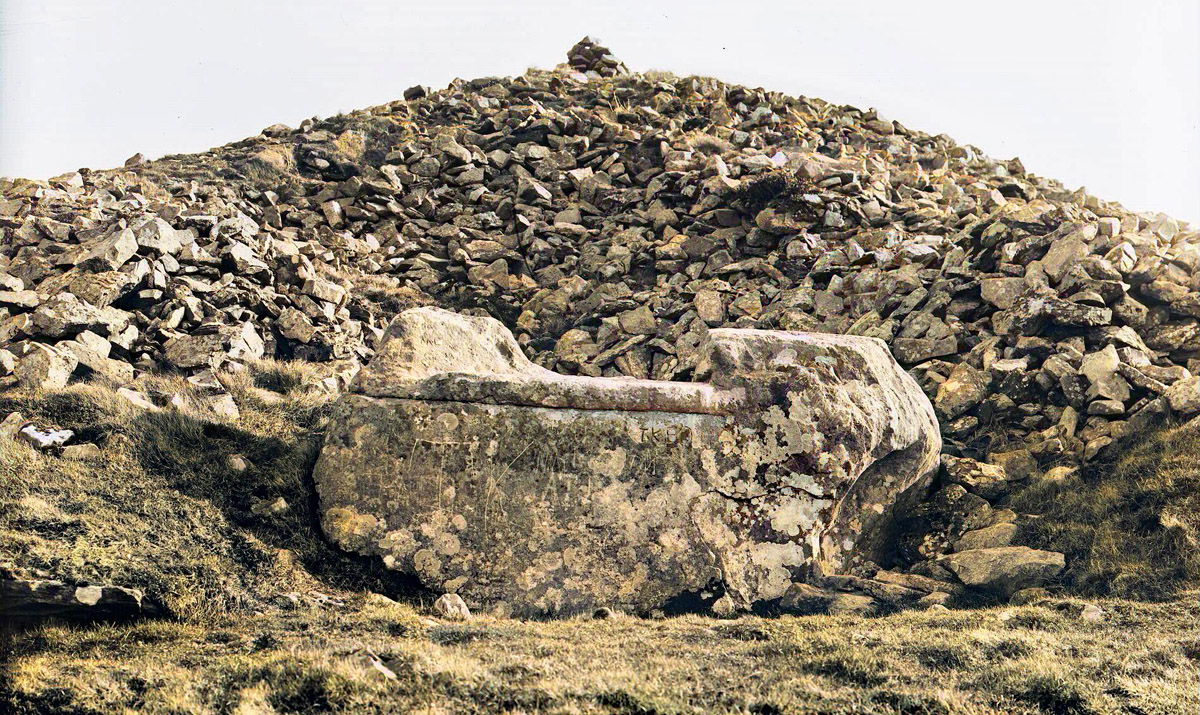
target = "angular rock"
x: 964, y: 389
x: 110, y: 252
x: 158, y: 236
x: 989, y: 481
x: 989, y: 537
x: 451, y: 607
x: 710, y: 306
x: 296, y: 325
x: 65, y: 315
x: 43, y: 439
x: 1001, y: 292
x: 45, y: 368
x: 1005, y: 570
x: 1184, y: 397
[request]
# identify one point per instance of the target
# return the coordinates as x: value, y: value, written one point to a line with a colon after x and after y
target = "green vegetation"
x: 368, y: 655
x: 1129, y: 529
x: 163, y: 510
x: 264, y: 616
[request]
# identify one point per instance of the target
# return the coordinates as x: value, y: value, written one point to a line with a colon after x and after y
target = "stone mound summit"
x: 612, y: 221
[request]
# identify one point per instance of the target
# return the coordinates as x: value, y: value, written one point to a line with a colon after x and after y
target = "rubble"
x: 612, y: 219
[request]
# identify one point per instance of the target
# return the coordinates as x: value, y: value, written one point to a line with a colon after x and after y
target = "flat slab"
x: 527, y: 509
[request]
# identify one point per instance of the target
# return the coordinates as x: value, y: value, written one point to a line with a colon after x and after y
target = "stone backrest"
x: 434, y: 354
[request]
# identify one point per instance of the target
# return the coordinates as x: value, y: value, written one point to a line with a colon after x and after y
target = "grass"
x: 372, y: 656
x: 1130, y: 528
x: 264, y: 616
x: 162, y: 510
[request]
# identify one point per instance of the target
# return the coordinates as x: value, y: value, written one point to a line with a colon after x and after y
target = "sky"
x: 1103, y: 94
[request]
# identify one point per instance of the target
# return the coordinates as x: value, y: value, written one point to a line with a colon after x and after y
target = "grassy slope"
x: 1131, y: 528
x: 162, y: 510
x: 376, y: 657
x: 267, y: 617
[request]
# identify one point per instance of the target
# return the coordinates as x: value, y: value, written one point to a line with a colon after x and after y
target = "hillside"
x: 192, y: 318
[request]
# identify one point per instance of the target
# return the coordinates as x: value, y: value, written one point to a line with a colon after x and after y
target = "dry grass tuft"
x: 371, y: 656
x: 1129, y: 529
x: 162, y: 509
x: 266, y: 617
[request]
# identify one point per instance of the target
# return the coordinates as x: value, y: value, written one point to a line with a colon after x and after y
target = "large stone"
x: 212, y: 345
x: 1005, y: 570
x: 110, y: 252
x: 458, y: 460
x: 1001, y: 292
x: 710, y: 307
x: 157, y: 235
x: 989, y: 537
x: 33, y: 598
x: 65, y: 315
x: 45, y: 367
x: 1184, y: 397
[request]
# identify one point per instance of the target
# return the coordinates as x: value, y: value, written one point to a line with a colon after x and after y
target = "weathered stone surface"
x: 965, y: 388
x: 35, y: 598
x: 989, y: 537
x: 157, y: 235
x: 457, y: 459
x: 1184, y: 397
x: 1001, y: 292
x: 451, y: 607
x: 109, y: 252
x: 931, y: 528
x: 64, y: 315
x: 213, y: 346
x: 989, y: 481
x: 45, y: 367
x: 1005, y: 570
x: 43, y: 439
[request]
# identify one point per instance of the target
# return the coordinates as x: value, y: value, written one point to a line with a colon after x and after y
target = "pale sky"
x: 1103, y: 93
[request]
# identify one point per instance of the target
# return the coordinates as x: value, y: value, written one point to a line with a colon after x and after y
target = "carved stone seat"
x: 530, y: 492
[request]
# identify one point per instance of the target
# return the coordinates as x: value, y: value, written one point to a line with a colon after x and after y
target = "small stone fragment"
x: 451, y: 607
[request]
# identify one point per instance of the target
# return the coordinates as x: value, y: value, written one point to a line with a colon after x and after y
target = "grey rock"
x: 1005, y: 570
x: 45, y: 368
x: 451, y: 607
x: 43, y: 439
x: 989, y: 481
x: 466, y: 379
x: 989, y: 537
x: 109, y: 252
x: 964, y: 389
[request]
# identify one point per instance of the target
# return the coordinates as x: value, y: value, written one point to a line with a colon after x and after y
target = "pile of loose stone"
x: 611, y: 219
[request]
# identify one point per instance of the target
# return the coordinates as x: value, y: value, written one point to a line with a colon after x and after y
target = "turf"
x: 262, y: 614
